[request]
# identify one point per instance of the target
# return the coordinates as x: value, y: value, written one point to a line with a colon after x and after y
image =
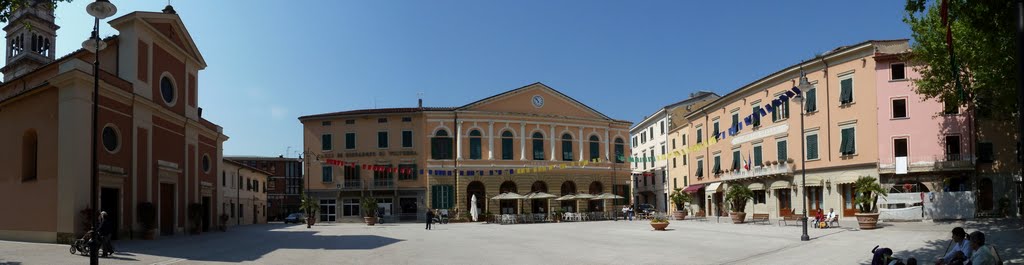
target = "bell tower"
x: 31, y: 38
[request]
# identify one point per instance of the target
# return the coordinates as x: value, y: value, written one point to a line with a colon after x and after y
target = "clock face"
x: 538, y: 101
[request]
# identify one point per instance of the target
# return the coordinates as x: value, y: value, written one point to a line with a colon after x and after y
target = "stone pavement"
x: 603, y: 242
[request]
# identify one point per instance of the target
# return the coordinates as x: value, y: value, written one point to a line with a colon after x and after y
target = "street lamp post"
x: 803, y: 86
x: 99, y: 10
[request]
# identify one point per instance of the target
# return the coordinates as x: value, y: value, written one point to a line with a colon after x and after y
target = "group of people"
x: 821, y: 220
x: 969, y: 249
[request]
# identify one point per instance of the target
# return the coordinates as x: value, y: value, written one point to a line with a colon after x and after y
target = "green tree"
x: 8, y: 7
x: 983, y: 40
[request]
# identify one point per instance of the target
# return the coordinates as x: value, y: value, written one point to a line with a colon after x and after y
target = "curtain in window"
x: 846, y: 91
x: 847, y: 145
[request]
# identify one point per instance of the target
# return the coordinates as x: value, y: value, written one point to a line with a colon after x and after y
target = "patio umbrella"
x: 540, y: 195
x: 508, y: 196
x: 566, y: 198
x: 583, y: 196
x: 607, y: 196
x: 472, y: 209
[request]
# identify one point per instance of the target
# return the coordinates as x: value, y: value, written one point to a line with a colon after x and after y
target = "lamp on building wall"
x: 828, y: 185
x: 803, y: 86
x: 98, y: 10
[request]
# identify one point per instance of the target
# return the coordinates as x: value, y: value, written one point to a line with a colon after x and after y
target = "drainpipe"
x: 238, y: 193
x: 828, y: 116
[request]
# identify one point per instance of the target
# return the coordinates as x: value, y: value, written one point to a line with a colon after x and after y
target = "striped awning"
x: 779, y: 184
x: 756, y: 186
x: 812, y: 181
x: 714, y: 187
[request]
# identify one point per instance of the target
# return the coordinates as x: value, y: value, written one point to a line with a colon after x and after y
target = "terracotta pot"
x: 310, y: 221
x: 867, y: 221
x: 679, y: 215
x: 149, y: 234
x: 370, y: 220
x: 738, y: 217
x: 659, y: 226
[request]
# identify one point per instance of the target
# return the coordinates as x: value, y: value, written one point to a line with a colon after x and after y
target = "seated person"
x: 832, y: 216
x: 982, y: 254
x: 819, y: 218
x: 960, y: 250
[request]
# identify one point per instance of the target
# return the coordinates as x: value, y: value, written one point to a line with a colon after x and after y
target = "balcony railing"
x: 383, y: 183
x: 927, y: 163
x: 352, y: 184
x: 759, y: 171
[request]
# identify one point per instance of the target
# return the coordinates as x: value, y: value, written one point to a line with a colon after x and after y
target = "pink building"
x: 922, y: 145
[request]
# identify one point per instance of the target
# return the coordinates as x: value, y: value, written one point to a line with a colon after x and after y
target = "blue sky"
x: 270, y: 62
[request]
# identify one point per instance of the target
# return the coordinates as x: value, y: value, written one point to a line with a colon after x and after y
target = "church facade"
x: 154, y: 147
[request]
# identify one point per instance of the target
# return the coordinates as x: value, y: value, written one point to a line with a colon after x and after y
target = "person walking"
x: 106, y: 228
x: 630, y: 212
x: 625, y: 213
x: 430, y: 218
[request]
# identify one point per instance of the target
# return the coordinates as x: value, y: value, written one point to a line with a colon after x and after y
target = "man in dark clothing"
x: 106, y: 228
x: 430, y: 218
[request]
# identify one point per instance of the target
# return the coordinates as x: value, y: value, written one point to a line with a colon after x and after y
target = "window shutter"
x: 434, y: 192
x: 812, y: 147
x: 785, y: 111
x: 782, y: 150
x: 757, y: 156
x: 735, y: 160
x: 756, y: 119
x: 846, y: 95
x: 812, y: 100
x: 451, y: 199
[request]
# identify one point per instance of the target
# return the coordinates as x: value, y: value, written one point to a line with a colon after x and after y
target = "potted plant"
x: 737, y: 197
x: 680, y: 198
x: 195, y: 215
x: 558, y: 215
x: 789, y: 160
x: 659, y: 222
x: 867, y: 191
x: 309, y: 206
x: 147, y: 218
x: 369, y: 205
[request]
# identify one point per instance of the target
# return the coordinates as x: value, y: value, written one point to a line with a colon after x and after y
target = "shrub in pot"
x: 867, y: 191
x: 679, y: 198
x: 147, y: 218
x: 309, y: 206
x: 659, y: 222
x: 737, y: 198
x: 369, y: 205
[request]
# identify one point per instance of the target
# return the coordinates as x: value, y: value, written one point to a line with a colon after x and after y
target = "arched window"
x: 595, y: 147
x: 167, y: 90
x: 29, y: 156
x: 475, y: 151
x: 441, y: 145
x: 596, y: 187
x: 507, y: 150
x: 538, y: 146
x: 620, y: 151
x: 566, y: 147
x: 508, y: 186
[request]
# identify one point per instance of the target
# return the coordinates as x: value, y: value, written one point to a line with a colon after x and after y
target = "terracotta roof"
x: 248, y: 167
x: 376, y: 111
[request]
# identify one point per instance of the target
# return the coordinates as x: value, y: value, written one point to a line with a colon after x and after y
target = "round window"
x: 206, y: 163
x: 167, y: 89
x: 110, y: 139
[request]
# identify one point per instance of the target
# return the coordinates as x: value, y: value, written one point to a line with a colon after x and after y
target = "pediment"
x: 535, y: 98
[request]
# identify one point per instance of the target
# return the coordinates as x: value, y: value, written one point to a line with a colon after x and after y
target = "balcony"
x: 949, y: 162
x: 350, y: 184
x: 383, y: 183
x: 759, y: 171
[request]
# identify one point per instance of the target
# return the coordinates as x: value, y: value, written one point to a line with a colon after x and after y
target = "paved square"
x: 603, y: 242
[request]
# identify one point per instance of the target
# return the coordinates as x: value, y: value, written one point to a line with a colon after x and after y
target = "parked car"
x: 295, y: 218
x: 644, y: 208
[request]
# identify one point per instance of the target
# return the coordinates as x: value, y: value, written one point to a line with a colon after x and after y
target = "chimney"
x: 421, y: 103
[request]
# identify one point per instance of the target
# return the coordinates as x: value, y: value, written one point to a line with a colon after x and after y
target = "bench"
x: 786, y: 219
x: 759, y: 218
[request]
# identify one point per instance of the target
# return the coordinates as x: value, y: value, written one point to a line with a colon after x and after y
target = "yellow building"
x: 528, y: 139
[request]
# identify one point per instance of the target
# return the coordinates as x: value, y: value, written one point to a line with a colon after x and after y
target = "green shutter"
x: 786, y: 111
x: 717, y: 166
x: 757, y: 156
x: 736, y: 160
x: 846, y: 93
x: 812, y: 147
x: 782, y: 149
x: 433, y: 196
x: 847, y: 144
x: 812, y: 100
x: 756, y: 117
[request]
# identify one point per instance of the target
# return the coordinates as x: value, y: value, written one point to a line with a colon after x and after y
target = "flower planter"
x: 738, y: 217
x: 659, y: 226
x: 370, y: 220
x: 867, y: 221
x: 679, y: 215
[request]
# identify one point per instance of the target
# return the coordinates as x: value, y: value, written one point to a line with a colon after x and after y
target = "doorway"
x: 985, y: 194
x: 166, y: 209
x: 206, y: 214
x: 849, y: 207
x: 409, y: 209
x: 718, y: 204
x: 785, y: 202
x: 110, y: 202
x: 814, y: 200
x: 476, y: 188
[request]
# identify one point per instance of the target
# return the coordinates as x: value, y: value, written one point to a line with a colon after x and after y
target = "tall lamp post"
x: 304, y: 157
x: 98, y: 10
x: 803, y: 86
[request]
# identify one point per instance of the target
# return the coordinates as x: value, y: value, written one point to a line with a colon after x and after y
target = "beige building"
x: 243, y: 193
x: 154, y: 146
x: 454, y: 153
x: 840, y: 140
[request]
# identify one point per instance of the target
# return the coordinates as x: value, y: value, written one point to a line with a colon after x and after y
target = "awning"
x: 779, y: 184
x: 755, y: 186
x: 714, y: 187
x: 693, y: 188
x: 813, y: 181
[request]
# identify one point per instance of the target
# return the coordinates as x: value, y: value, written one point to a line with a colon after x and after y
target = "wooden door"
x: 166, y: 209
x: 849, y: 207
x: 985, y: 195
x: 785, y: 202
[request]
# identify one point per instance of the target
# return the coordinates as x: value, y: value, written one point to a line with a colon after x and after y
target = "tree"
x: 8, y: 7
x: 983, y: 47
